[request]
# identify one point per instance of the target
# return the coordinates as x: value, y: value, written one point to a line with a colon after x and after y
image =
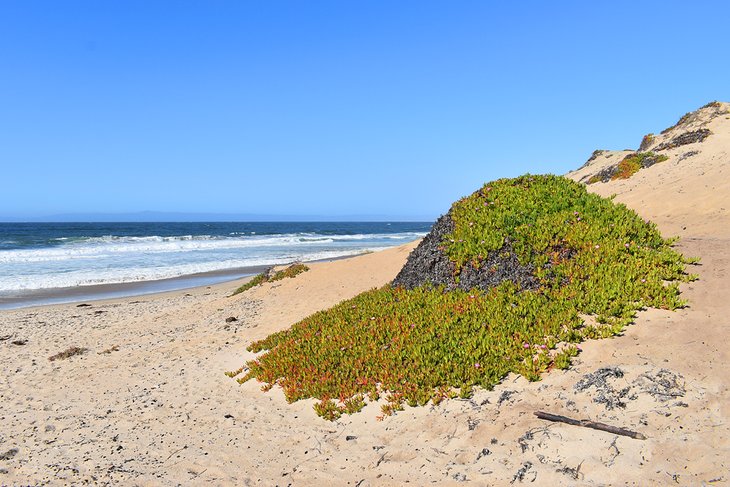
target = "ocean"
x: 43, y: 263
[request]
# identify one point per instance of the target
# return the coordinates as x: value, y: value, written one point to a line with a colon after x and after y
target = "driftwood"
x: 590, y: 424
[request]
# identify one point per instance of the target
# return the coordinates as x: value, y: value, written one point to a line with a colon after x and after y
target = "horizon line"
x: 184, y: 217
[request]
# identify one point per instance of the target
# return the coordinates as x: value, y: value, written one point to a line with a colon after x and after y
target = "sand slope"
x: 159, y: 411
x: 687, y: 195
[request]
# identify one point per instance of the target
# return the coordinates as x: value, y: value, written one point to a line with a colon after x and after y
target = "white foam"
x: 113, y: 259
x: 88, y: 277
x: 109, y: 246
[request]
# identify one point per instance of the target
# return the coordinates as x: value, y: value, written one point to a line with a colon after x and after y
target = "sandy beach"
x: 149, y: 404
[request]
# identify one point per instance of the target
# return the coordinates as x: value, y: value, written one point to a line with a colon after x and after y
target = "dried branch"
x: 590, y: 424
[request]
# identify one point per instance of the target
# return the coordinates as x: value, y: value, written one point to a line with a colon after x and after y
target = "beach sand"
x: 149, y: 403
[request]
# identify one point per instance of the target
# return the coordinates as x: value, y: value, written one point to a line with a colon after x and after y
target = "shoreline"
x: 102, y: 292
x: 37, y: 298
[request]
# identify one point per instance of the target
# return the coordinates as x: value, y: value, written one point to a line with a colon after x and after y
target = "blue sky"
x: 392, y: 109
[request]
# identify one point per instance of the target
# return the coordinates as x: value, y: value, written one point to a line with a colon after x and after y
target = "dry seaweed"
x: 68, y: 353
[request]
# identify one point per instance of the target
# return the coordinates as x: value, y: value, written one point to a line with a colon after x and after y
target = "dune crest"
x: 687, y: 194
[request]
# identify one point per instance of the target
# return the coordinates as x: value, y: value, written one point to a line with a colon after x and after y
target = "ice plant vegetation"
x: 592, y: 258
x: 628, y: 166
x: 631, y: 164
x: 290, y: 271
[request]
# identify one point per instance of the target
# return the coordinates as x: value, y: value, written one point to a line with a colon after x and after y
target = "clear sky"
x: 388, y: 108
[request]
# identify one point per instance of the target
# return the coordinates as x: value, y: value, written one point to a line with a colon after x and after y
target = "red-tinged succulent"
x: 426, y: 344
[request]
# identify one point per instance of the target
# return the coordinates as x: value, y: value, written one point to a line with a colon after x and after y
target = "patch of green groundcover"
x: 291, y: 271
x: 591, y: 256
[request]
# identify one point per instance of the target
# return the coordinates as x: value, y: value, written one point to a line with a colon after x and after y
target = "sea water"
x: 38, y: 258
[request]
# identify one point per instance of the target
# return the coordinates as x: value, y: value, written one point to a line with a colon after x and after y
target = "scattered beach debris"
x: 350, y: 437
x: 19, y: 342
x: 69, y: 352
x: 114, y: 348
x: 608, y: 396
x: 590, y: 424
x: 614, y: 454
x: 524, y: 439
x: 5, y: 337
x: 537, y: 439
x: 185, y: 447
x: 9, y: 454
x: 483, y: 453
x: 505, y: 396
x: 231, y: 319
x: 459, y: 477
x: 663, y: 385
x: 598, y: 378
x: 522, y: 473
x: 83, y: 305
x: 574, y: 473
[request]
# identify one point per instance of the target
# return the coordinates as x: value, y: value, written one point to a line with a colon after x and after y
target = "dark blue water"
x: 39, y: 235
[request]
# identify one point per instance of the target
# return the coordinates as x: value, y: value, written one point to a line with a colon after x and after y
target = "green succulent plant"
x: 592, y: 257
x: 290, y: 271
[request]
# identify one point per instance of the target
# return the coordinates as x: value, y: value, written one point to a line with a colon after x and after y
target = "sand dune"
x: 688, y: 194
x: 148, y: 403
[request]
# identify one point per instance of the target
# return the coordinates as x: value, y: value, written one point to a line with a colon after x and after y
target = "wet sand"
x: 79, y: 294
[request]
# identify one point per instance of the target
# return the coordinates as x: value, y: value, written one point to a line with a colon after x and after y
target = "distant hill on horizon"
x: 161, y: 216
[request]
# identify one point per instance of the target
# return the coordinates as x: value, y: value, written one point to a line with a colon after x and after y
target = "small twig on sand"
x: 176, y: 451
x: 590, y: 424
x: 195, y: 476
